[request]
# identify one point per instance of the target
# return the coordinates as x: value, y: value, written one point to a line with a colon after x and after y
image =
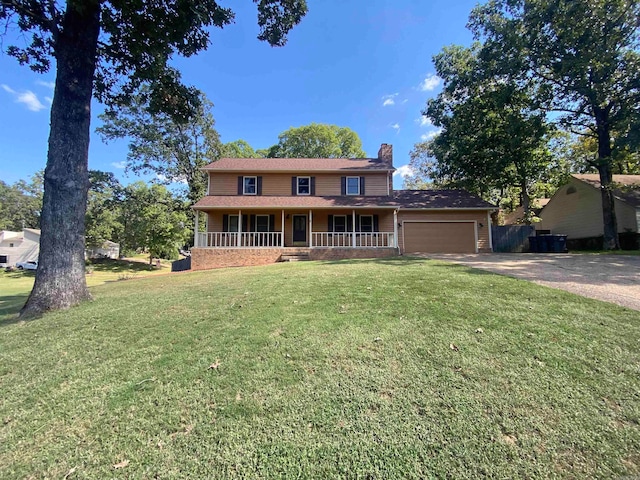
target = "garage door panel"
x: 439, y: 237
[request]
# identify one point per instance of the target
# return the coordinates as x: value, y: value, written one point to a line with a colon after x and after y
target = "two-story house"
x: 259, y: 210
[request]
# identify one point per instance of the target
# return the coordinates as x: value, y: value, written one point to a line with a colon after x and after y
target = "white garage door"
x: 439, y: 237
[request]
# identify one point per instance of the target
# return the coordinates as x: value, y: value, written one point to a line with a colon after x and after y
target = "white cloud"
x: 165, y: 179
x: 122, y: 164
x: 27, y: 97
x: 49, y: 100
x: 430, y: 135
x: 50, y: 85
x: 403, y: 171
x: 395, y: 126
x: 424, y: 121
x: 430, y: 82
x: 389, y: 99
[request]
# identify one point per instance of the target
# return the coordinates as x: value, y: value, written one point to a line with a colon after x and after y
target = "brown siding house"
x: 262, y: 210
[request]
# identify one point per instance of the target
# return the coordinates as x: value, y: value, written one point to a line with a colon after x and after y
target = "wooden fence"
x: 511, y: 238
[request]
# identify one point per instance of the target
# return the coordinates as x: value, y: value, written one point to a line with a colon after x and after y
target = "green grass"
x: 324, y: 370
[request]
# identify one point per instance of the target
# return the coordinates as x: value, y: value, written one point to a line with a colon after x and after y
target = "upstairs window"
x: 353, y: 185
x: 304, y: 185
x: 250, y: 186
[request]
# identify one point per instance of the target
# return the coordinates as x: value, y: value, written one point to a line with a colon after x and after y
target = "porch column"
x: 395, y: 228
x: 310, y: 228
x: 353, y: 233
x: 489, y: 227
x: 239, y: 242
x: 282, y: 238
x: 195, y: 238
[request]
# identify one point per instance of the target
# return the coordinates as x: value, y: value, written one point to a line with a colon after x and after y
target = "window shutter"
x: 358, y: 226
x: 259, y: 187
x: 294, y: 185
x: 376, y: 223
x: 349, y: 223
x: 361, y: 185
x: 244, y: 223
x: 343, y: 185
x: 225, y: 223
x: 272, y: 223
x: 240, y: 189
x: 252, y: 223
x: 313, y: 185
x: 330, y: 226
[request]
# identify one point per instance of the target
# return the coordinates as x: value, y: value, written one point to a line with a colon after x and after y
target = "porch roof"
x: 405, y: 199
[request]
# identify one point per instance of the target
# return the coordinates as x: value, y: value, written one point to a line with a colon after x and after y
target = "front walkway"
x: 612, y: 278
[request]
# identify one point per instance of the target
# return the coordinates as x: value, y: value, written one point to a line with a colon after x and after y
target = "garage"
x: 439, y: 237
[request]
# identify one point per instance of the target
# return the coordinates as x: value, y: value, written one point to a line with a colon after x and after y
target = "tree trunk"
x: 526, y: 202
x: 610, y: 223
x: 60, y: 278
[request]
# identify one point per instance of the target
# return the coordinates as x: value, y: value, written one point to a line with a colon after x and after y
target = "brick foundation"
x: 337, y: 253
x: 207, y: 258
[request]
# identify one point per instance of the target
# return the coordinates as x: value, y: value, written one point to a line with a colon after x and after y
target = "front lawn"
x: 399, y: 368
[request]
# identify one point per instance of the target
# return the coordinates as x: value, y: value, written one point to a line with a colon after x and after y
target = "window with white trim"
x: 304, y: 185
x: 234, y: 222
x: 250, y: 185
x: 262, y: 223
x: 366, y: 223
x: 339, y: 223
x: 353, y: 185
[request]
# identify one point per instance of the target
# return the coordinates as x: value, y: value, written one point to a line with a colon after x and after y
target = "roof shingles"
x: 297, y: 164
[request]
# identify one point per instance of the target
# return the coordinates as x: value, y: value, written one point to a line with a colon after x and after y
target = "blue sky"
x: 360, y: 64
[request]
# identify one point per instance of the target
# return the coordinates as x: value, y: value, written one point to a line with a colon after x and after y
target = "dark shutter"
x: 349, y: 223
x: 240, y: 189
x: 244, y: 223
x: 252, y: 223
x: 225, y: 223
x: 330, y: 227
x: 259, y: 187
x: 313, y: 185
x: 376, y: 223
x: 361, y: 185
x: 358, y: 227
x: 343, y: 185
x: 294, y: 185
x: 272, y: 223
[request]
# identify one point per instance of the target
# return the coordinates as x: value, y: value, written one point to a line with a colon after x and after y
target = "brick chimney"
x: 385, y: 154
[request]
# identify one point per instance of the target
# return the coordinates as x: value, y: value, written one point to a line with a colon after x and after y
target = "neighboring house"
x: 261, y: 210
x: 576, y: 208
x: 516, y: 217
x: 19, y: 246
x: 108, y: 249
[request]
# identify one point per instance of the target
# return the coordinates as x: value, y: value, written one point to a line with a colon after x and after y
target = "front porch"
x: 293, y: 228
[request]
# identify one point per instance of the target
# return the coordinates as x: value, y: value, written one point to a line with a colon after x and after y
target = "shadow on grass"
x: 119, y: 266
x: 10, y: 308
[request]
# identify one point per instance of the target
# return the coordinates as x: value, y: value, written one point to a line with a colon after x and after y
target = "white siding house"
x: 19, y: 246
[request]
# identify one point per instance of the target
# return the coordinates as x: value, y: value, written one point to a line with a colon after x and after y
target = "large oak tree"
x: 107, y: 49
x: 585, y: 55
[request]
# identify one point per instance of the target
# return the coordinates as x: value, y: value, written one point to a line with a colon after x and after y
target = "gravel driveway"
x: 612, y: 278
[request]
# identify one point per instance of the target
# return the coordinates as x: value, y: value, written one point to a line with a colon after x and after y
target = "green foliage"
x: 239, y: 149
x: 174, y: 150
x: 21, y: 203
x: 102, y: 220
x: 153, y: 221
x: 493, y: 133
x: 317, y: 140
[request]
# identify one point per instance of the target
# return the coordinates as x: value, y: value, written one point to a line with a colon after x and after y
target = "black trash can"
x: 533, y: 244
x: 545, y: 243
x: 559, y: 243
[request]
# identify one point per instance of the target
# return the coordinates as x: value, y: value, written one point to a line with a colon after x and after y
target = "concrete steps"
x: 295, y: 257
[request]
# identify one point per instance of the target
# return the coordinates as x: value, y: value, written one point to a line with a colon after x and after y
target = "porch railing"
x: 242, y: 240
x: 332, y: 239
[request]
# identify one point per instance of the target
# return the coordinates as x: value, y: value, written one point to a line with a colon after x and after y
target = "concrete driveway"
x: 612, y: 278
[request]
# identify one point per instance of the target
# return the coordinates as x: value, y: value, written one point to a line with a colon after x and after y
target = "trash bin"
x: 533, y: 244
x: 559, y: 243
x: 545, y: 243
